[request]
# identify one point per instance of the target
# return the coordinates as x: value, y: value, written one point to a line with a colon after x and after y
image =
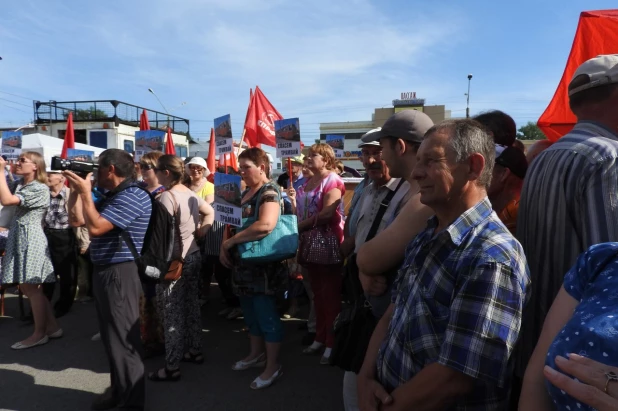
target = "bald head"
x: 537, y: 148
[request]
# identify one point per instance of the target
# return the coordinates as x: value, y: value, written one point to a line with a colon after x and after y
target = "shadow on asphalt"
x: 305, y: 386
x: 19, y: 392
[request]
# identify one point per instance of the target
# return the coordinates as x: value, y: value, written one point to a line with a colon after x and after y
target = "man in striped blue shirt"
x: 116, y: 282
x: 569, y: 201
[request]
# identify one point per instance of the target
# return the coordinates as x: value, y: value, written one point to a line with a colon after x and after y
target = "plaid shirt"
x: 458, y: 301
x: 57, y: 216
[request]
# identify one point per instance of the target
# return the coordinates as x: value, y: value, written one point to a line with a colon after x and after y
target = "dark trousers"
x: 64, y: 259
x: 116, y: 291
x: 223, y: 276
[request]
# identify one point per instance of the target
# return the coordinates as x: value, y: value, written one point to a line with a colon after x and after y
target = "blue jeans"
x: 261, y: 316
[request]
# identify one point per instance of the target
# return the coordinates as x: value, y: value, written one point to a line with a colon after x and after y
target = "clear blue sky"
x: 320, y: 60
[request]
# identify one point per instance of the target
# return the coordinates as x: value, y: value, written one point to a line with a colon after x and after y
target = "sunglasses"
x: 145, y: 167
x: 24, y: 161
x: 157, y: 169
x: 196, y: 168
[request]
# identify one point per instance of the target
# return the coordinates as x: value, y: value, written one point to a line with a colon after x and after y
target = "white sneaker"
x: 225, y: 312
x: 96, y: 337
x: 235, y: 313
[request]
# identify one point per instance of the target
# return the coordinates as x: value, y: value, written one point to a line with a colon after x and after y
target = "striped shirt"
x: 569, y: 202
x: 458, y: 302
x: 128, y: 210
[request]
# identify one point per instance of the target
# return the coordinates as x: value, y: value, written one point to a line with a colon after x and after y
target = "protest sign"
x: 223, y: 135
x: 147, y: 141
x: 336, y: 142
x: 11, y: 144
x: 227, y: 199
x: 287, y: 137
x: 80, y: 155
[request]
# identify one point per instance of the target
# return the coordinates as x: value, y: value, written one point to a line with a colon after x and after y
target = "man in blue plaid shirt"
x: 447, y: 339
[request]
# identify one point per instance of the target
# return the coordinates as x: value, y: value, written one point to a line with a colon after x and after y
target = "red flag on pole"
x: 144, y: 124
x: 169, y: 143
x: 244, y: 130
x: 234, y: 158
x: 69, y: 136
x: 260, y: 121
x: 210, y: 161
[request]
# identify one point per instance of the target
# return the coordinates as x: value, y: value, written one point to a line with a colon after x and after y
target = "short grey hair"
x: 467, y: 137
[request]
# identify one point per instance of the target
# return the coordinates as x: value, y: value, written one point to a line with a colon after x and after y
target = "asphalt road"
x: 67, y: 373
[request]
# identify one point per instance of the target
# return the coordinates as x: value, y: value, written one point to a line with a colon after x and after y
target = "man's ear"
x: 400, y: 147
x: 476, y: 163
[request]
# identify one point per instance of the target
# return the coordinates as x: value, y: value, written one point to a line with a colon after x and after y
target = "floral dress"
x: 270, y: 278
x: 27, y: 259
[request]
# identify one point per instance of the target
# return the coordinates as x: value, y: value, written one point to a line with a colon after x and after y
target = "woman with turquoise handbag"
x: 257, y: 284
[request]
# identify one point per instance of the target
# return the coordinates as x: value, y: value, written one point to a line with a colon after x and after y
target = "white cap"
x: 198, y: 161
x: 601, y: 70
x: 270, y: 158
x: 50, y: 171
x: 371, y: 138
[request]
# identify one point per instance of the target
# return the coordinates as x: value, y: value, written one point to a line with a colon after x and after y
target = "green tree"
x: 91, y: 113
x: 530, y: 132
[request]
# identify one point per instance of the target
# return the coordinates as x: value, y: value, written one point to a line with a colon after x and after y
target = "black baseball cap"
x: 513, y: 159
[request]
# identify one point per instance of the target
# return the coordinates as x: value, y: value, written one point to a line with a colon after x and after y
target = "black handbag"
x: 354, y: 326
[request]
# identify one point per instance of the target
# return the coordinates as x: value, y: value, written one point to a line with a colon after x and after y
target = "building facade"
x: 353, y: 130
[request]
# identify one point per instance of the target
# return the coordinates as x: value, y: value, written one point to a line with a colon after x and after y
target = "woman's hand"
x: 202, y: 231
x: 291, y: 195
x: 590, y: 389
x: 3, y: 163
x: 224, y: 255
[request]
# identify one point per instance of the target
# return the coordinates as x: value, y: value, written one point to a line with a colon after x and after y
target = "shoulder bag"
x: 175, y: 269
x: 279, y: 245
x: 319, y: 245
x: 354, y: 326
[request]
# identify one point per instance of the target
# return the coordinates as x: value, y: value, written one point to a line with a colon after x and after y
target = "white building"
x: 105, y: 124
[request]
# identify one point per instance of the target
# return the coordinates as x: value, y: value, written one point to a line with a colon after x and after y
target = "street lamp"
x: 468, y: 97
x: 159, y: 100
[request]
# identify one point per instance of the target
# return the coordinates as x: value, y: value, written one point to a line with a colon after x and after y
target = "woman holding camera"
x: 27, y: 261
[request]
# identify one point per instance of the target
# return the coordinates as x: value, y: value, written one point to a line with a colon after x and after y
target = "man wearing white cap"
x: 568, y: 202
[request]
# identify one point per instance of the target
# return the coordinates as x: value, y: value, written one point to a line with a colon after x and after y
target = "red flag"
x: 234, y: 158
x: 260, y: 122
x: 210, y: 161
x: 69, y: 136
x: 143, y: 121
x: 169, y: 143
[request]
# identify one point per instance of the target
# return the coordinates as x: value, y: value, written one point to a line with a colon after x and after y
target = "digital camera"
x: 81, y: 168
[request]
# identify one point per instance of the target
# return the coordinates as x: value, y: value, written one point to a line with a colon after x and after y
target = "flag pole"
x: 290, y: 171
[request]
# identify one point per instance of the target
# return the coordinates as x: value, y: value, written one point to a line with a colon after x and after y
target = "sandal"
x: 170, y: 375
x: 193, y: 358
x: 257, y: 362
x: 259, y: 384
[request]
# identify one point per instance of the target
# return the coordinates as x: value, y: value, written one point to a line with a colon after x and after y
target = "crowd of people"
x: 468, y: 273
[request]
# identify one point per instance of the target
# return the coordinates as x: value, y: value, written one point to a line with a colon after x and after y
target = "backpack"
x: 154, y: 261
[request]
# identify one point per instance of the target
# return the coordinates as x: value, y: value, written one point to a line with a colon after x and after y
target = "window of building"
x: 128, y: 146
x: 98, y: 139
x: 80, y: 136
x: 181, y: 151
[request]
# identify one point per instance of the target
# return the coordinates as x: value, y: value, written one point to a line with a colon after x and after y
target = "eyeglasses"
x: 367, y: 154
x: 146, y: 167
x: 25, y: 161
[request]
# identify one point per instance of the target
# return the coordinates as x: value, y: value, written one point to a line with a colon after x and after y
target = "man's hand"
x: 371, y: 395
x: 224, y: 254
x: 83, y: 251
x: 78, y: 184
x: 347, y: 247
x: 374, y: 286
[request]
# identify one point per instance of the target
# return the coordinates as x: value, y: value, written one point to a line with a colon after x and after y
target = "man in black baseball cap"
x: 400, y: 137
x: 506, y: 184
